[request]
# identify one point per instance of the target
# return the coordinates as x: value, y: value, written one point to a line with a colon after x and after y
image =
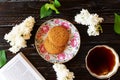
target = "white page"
x: 19, y: 68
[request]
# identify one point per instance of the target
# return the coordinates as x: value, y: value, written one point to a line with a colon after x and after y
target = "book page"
x: 19, y: 68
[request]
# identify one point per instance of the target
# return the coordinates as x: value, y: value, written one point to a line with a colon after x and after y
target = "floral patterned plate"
x: 72, y: 45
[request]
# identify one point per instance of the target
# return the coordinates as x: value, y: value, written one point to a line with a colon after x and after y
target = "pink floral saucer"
x: 72, y: 45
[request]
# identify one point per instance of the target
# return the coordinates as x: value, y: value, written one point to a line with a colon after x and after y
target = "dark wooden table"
x: 14, y: 11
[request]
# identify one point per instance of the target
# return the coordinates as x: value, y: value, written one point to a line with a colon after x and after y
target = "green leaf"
x: 2, y: 58
x: 52, y: 7
x: 44, y: 12
x: 56, y: 3
x: 46, y: 9
x: 100, y: 28
x: 117, y: 23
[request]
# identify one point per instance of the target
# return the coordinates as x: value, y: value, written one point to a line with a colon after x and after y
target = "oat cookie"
x: 52, y: 49
x: 58, y: 36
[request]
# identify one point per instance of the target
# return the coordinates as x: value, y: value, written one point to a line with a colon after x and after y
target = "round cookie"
x: 58, y: 36
x: 52, y: 49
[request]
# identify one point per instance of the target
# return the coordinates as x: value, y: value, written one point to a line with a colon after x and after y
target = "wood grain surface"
x: 12, y: 12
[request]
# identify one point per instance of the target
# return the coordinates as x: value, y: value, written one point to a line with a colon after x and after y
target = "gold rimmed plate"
x: 72, y: 45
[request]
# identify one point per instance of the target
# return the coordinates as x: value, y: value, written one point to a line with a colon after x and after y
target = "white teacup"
x: 102, y: 61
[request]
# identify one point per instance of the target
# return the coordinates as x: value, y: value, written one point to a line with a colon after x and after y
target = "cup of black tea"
x: 102, y: 61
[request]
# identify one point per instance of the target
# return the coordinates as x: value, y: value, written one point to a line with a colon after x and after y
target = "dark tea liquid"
x: 101, y: 60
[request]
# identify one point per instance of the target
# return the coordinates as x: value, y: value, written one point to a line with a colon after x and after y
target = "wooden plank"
x: 14, y: 12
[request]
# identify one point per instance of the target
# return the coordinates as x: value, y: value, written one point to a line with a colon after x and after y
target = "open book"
x: 19, y: 68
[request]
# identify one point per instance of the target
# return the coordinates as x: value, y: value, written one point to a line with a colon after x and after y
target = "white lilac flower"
x: 62, y: 72
x: 19, y: 33
x: 91, y: 20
